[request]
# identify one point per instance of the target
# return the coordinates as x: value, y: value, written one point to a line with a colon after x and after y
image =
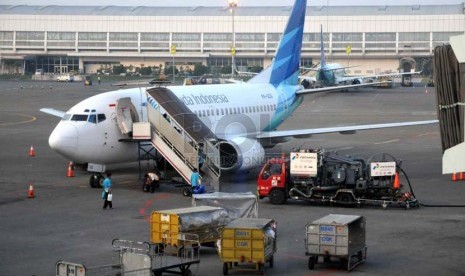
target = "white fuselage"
x: 229, y: 110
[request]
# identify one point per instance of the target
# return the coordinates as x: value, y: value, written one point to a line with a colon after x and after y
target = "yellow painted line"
x: 31, y: 119
x: 387, y: 142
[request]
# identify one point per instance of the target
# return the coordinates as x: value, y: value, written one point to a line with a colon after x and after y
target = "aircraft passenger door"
x: 126, y: 114
x: 213, y: 116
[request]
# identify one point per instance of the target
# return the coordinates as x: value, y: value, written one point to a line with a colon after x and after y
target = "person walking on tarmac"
x: 98, y: 78
x: 107, y: 195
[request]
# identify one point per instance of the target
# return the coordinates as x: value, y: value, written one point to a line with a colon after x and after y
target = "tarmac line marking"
x: 346, y: 148
x: 387, y: 142
x: 148, y: 203
x: 427, y: 134
x: 31, y: 119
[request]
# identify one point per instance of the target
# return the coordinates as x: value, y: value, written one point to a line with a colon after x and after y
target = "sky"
x: 191, y: 3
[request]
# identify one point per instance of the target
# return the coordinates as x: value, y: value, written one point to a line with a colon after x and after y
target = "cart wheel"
x: 360, y: 255
x: 311, y: 263
x: 225, y: 268
x: 187, y: 191
x: 187, y: 272
x: 316, y: 260
x: 261, y: 269
x: 271, y: 261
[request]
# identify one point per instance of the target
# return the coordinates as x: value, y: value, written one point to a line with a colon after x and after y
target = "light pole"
x: 232, y: 6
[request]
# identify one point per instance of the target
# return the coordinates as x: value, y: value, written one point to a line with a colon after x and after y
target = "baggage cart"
x: 340, y: 236
x: 204, y: 221
x: 131, y: 259
x: 142, y: 259
x: 168, y: 257
x: 248, y: 244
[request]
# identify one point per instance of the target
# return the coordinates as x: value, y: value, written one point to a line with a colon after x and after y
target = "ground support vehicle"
x: 132, y: 258
x: 316, y: 176
x: 204, y: 221
x: 142, y: 259
x: 87, y: 80
x: 247, y: 244
x: 65, y: 78
x: 340, y: 236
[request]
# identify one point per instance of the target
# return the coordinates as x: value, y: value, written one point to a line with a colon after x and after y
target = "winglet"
x: 285, y: 66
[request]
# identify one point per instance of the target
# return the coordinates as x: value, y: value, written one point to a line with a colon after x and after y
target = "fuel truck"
x: 316, y: 176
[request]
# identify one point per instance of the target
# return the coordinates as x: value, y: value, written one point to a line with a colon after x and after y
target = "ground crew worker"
x: 107, y: 191
x: 195, y: 178
x: 154, y: 179
x: 98, y: 78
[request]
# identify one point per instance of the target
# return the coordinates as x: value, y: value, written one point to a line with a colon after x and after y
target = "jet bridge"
x: 181, y: 137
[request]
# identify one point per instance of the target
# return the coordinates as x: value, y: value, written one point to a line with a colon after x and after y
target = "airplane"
x: 244, y: 115
x: 334, y: 74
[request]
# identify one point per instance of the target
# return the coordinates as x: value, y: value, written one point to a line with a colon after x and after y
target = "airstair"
x: 181, y: 137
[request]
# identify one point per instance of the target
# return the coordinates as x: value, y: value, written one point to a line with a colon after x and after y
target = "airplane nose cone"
x: 64, y: 140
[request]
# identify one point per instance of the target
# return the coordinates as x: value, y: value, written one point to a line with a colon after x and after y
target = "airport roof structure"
x: 240, y: 11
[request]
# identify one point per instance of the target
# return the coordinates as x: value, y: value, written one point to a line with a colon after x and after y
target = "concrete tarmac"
x: 65, y: 220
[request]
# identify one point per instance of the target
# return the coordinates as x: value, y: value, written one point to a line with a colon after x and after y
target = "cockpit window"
x: 66, y: 117
x: 101, y: 117
x: 79, y: 117
x: 92, y: 118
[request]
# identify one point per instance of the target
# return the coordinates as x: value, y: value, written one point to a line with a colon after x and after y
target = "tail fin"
x: 285, y: 66
x: 323, y: 60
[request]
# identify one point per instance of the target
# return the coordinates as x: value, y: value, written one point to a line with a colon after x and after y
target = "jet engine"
x: 357, y: 81
x: 241, y: 154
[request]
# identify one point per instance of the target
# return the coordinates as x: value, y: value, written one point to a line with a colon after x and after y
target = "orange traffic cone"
x: 30, y: 194
x: 31, y: 151
x: 70, y: 170
x: 454, y: 177
x: 461, y: 176
x: 396, y: 184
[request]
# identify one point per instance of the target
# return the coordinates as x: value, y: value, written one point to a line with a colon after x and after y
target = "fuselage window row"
x: 230, y: 110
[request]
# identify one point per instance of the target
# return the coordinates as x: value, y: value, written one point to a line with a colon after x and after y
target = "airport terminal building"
x: 60, y: 39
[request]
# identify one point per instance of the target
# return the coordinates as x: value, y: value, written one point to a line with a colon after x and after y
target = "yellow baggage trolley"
x: 248, y: 244
x: 203, y: 221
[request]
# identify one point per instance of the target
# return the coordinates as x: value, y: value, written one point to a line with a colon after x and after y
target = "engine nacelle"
x: 241, y: 154
x: 357, y: 81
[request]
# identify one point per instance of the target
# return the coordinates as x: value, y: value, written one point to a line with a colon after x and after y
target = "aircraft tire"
x: 94, y: 180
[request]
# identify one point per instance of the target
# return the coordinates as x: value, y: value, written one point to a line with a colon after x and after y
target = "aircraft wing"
x: 337, y: 88
x: 313, y: 79
x: 54, y: 112
x: 396, y: 74
x: 233, y: 81
x: 300, y: 133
